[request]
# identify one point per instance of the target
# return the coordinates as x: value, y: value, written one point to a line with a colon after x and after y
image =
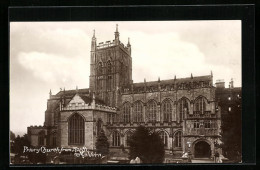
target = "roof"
x: 68, y: 96
x: 73, y: 92
x: 177, y: 81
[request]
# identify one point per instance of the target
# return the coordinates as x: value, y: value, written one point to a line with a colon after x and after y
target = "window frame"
x: 76, y: 130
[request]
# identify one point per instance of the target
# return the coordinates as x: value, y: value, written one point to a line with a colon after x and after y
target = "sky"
x: 48, y: 56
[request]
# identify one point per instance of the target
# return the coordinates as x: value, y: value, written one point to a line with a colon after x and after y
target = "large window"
x: 177, y: 140
x: 109, y: 68
x: 99, y: 71
x: 200, y: 105
x: 151, y: 108
x: 126, y: 112
x: 167, y: 110
x: 115, y: 139
x: 109, y: 82
x: 183, y: 107
x: 163, y: 135
x: 138, y: 112
x: 76, y: 129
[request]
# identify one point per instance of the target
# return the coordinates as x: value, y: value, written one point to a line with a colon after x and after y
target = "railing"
x: 201, y: 131
x: 107, y: 44
x: 199, y: 114
x: 97, y: 107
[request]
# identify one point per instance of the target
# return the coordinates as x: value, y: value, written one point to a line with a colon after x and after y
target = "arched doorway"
x: 202, y: 150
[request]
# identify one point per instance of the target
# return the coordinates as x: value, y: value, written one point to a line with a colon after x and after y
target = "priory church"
x: 183, y: 111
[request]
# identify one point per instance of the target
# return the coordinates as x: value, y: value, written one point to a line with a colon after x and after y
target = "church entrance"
x: 202, y: 150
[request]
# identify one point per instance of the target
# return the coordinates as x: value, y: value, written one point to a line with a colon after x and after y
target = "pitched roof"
x: 72, y: 92
x: 69, y: 94
x: 173, y: 81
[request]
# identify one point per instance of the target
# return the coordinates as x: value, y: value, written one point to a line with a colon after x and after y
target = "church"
x: 183, y: 111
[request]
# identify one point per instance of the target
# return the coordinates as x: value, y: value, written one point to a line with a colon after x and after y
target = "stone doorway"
x: 202, y: 150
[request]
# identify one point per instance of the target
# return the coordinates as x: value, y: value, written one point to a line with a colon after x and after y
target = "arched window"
x: 178, y: 139
x: 109, y: 67
x: 76, y: 130
x: 109, y: 82
x: 200, y: 105
x: 183, y: 107
x: 99, y: 68
x: 163, y: 135
x: 115, y: 139
x: 151, y: 108
x: 41, y: 137
x: 167, y: 110
x: 128, y: 136
x: 138, y: 112
x: 126, y: 113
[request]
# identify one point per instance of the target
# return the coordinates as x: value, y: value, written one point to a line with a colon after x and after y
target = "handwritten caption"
x: 83, y: 152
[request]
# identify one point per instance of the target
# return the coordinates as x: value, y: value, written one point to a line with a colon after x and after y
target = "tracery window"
x: 178, y: 140
x: 167, y: 110
x: 109, y: 67
x: 115, y: 139
x: 138, y: 112
x: 200, y: 105
x: 183, y: 107
x: 76, y: 129
x: 100, y: 68
x: 164, y: 137
x: 126, y: 112
x: 151, y: 108
x: 109, y: 82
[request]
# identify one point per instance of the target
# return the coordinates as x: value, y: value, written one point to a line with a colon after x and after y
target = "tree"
x: 19, y: 144
x: 102, y: 145
x: 12, y: 135
x: 231, y: 132
x: 12, y: 138
x: 148, y: 147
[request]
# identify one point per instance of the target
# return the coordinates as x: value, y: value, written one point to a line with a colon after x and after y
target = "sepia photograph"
x: 126, y: 92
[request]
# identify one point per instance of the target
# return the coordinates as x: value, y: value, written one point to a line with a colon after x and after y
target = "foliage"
x: 37, y: 157
x: 12, y: 135
x: 18, y: 148
x: 148, y: 147
x: 231, y: 133
x: 102, y: 144
x: 19, y: 143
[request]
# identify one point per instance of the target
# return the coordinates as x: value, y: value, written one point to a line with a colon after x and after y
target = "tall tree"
x: 19, y: 144
x: 231, y: 132
x: 102, y: 145
x: 148, y: 147
x: 12, y: 135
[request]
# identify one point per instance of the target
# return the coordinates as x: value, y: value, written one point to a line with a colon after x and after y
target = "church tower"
x: 110, y: 69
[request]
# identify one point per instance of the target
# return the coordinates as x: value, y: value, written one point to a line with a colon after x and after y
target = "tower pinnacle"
x: 93, y: 34
x: 117, y: 35
x: 93, y: 42
x: 128, y: 44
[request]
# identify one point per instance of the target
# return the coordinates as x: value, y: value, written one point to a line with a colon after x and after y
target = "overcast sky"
x: 54, y: 55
